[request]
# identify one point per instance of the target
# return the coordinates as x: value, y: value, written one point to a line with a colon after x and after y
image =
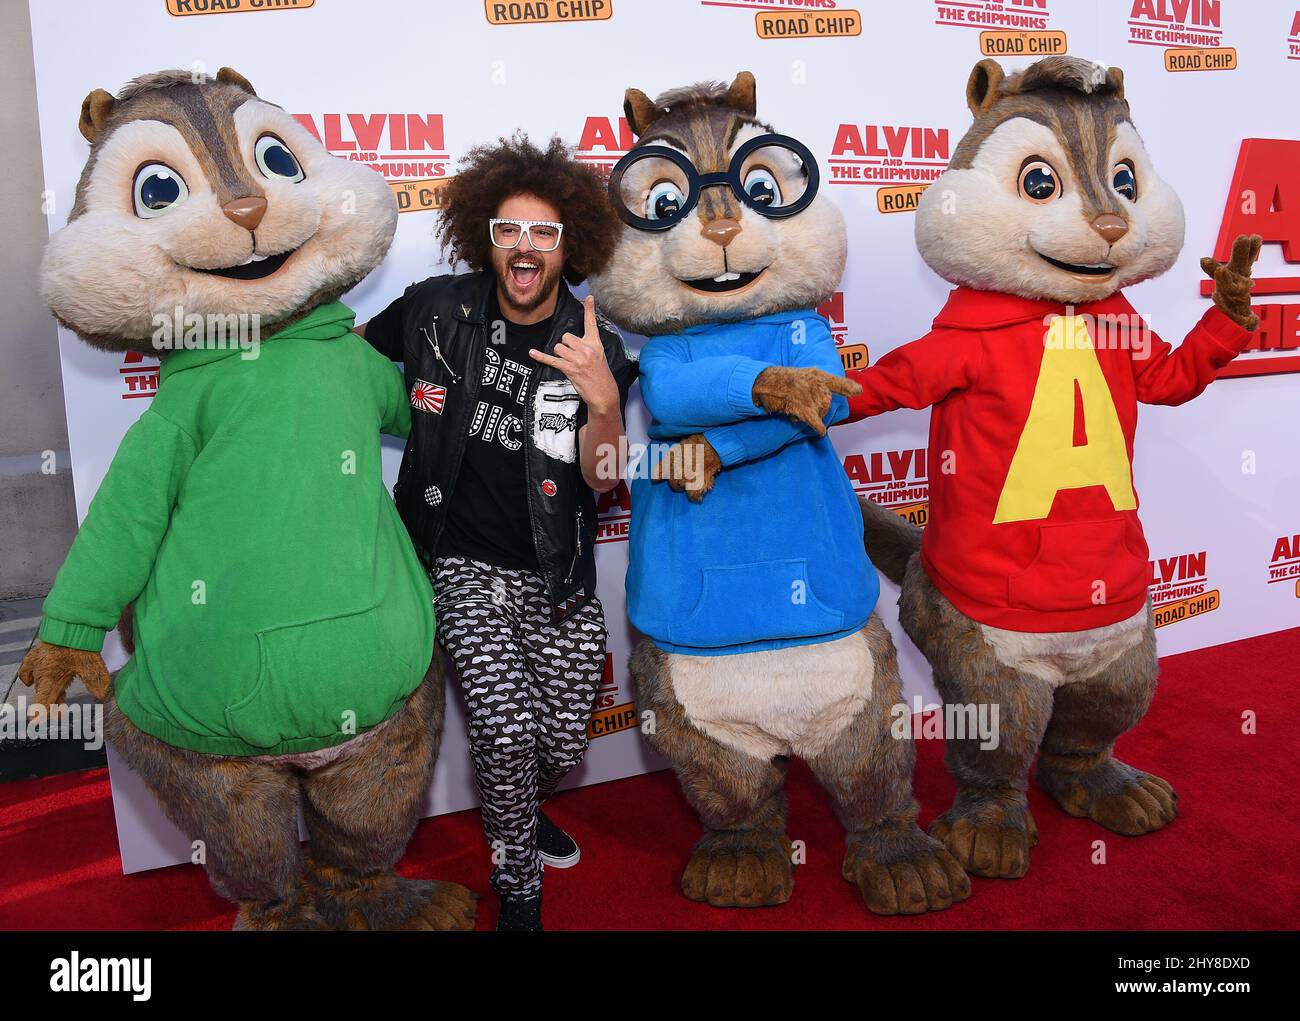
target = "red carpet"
x: 1228, y: 862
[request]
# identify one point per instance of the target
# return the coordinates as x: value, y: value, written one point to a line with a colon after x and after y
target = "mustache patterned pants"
x: 529, y: 688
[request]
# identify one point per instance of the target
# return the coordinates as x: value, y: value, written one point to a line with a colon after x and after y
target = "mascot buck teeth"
x: 746, y: 570
x: 282, y: 626
x: 1028, y: 588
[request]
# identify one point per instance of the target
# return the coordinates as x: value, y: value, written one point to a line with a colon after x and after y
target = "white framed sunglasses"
x: 543, y: 235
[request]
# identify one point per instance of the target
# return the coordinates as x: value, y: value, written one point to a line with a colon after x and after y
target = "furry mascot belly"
x: 746, y: 569
x: 282, y: 629
x: 803, y: 702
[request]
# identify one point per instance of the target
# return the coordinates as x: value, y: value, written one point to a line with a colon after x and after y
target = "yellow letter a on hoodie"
x: 1046, y: 459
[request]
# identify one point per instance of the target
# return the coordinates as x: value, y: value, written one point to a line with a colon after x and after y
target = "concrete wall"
x: 37, y: 514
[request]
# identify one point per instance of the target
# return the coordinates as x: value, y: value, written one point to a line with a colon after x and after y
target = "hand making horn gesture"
x: 582, y: 360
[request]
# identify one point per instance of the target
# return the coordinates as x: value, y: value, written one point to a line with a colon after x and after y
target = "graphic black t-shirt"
x: 487, y: 516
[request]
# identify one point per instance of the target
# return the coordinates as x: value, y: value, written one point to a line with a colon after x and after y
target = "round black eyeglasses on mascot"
x: 655, y: 187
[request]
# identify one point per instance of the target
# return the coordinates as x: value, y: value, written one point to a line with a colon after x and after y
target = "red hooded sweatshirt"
x: 1033, y: 516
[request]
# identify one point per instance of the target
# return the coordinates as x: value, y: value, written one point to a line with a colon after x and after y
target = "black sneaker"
x: 519, y: 913
x: 556, y: 848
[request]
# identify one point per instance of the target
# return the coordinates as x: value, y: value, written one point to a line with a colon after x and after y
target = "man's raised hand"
x: 582, y: 360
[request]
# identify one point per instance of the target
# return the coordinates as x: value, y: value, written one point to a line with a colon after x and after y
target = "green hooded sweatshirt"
x: 279, y: 605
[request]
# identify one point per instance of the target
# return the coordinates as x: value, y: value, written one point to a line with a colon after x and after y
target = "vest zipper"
x: 577, y: 550
x: 437, y: 351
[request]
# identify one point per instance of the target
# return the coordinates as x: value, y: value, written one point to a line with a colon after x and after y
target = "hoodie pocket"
x: 1080, y: 565
x: 755, y: 602
x: 317, y: 678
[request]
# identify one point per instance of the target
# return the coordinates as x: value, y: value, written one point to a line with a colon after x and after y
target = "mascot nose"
x: 1110, y: 227
x: 721, y: 232
x: 247, y: 212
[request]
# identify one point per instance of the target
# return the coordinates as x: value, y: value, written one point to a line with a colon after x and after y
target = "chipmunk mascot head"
x: 282, y: 627
x: 1028, y: 589
x: 746, y: 571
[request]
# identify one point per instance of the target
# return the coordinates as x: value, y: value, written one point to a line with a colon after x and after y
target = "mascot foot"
x: 740, y: 869
x: 989, y: 836
x: 385, y: 900
x: 1116, y: 795
x: 446, y: 907
x: 298, y: 914
x: 901, y: 871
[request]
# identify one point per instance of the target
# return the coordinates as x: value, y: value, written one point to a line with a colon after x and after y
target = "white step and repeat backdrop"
x: 876, y: 90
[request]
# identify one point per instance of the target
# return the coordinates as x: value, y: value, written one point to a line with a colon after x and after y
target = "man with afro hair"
x: 517, y: 393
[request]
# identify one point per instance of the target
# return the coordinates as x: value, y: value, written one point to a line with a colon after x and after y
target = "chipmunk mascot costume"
x: 283, y: 628
x: 747, y: 572
x: 1028, y: 588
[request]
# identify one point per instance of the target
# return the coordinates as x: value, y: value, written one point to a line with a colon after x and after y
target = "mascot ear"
x: 1115, y: 77
x: 232, y: 77
x: 639, y: 110
x: 741, y: 94
x: 95, y: 109
x: 982, y: 85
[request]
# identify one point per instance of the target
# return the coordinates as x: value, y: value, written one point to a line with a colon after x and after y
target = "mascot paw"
x: 801, y: 394
x: 989, y: 837
x: 387, y: 901
x: 904, y: 874
x: 295, y: 915
x: 1116, y: 795
x: 690, y: 466
x: 448, y: 907
x: 740, y: 869
x: 51, y: 668
x: 1232, y: 280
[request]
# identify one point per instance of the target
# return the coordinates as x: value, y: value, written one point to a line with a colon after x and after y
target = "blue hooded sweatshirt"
x: 773, y: 556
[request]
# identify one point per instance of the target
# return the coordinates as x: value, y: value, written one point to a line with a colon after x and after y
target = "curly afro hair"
x: 490, y: 174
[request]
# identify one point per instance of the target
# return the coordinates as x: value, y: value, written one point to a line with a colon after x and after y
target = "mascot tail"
x: 890, y: 540
x: 126, y: 628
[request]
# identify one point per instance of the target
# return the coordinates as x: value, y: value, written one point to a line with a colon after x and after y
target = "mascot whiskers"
x: 1028, y: 588
x: 746, y: 571
x: 282, y: 632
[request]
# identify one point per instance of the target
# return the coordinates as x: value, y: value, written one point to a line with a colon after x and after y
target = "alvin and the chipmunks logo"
x: 603, y: 142
x: 611, y: 713
x: 1284, y: 564
x: 1264, y: 199
x: 139, y: 376
x: 409, y: 149
x: 898, y: 480
x: 1190, y: 32
x: 854, y: 356
x: 796, y: 19
x: 899, y: 160
x: 1180, y: 588
x: 1008, y: 28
